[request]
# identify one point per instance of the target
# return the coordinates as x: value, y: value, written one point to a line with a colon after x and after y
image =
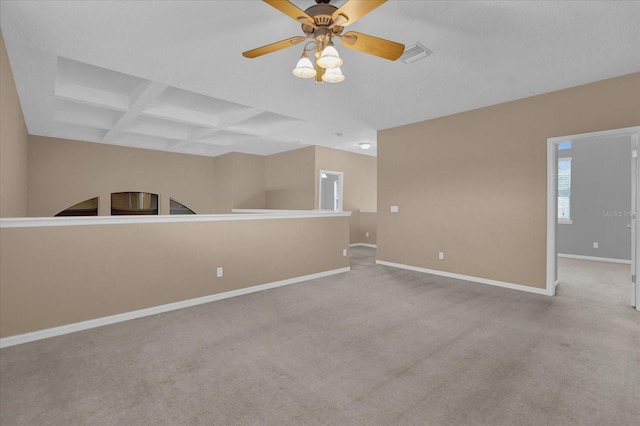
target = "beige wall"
x: 13, y: 144
x: 223, y: 183
x: 359, y: 185
x: 64, y: 172
x: 289, y: 180
x: 249, y: 188
x: 239, y: 182
x: 474, y: 184
x: 360, y: 177
x: 58, y: 275
x: 292, y: 183
x: 368, y: 224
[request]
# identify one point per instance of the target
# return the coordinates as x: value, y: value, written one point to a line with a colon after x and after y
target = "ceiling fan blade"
x: 289, y: 9
x: 356, y: 9
x: 254, y: 53
x: 381, y: 47
x: 340, y: 21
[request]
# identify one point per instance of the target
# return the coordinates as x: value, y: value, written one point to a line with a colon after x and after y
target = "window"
x: 134, y: 203
x: 564, y: 145
x: 85, y: 208
x: 564, y: 190
x: 126, y: 203
x: 178, y: 208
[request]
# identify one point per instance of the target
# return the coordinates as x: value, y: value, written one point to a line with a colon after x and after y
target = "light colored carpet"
x: 377, y: 346
x: 602, y: 282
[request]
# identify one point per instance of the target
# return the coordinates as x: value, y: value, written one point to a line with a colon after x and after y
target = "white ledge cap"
x: 32, y: 222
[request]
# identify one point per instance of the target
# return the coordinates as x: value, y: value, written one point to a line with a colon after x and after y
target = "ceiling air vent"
x: 414, y: 52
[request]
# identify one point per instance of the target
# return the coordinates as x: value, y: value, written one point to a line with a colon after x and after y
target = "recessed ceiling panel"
x: 84, y: 83
x: 76, y: 132
x: 161, y: 128
x: 225, y: 138
x: 196, y: 148
x: 85, y: 115
x: 189, y: 101
x: 143, y: 141
x: 264, y: 123
x: 188, y: 107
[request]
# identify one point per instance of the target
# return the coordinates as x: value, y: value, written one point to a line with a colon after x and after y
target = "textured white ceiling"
x: 169, y: 75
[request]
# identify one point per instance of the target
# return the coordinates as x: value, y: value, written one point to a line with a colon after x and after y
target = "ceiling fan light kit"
x: 333, y: 75
x: 328, y: 62
x: 329, y: 57
x: 320, y: 23
x: 304, y: 68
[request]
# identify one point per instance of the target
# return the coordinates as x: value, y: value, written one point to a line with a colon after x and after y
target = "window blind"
x: 564, y: 188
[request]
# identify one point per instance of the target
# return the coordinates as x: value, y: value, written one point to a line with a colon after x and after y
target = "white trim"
x: 340, y: 181
x: 113, y: 319
x: 552, y: 215
x: 292, y: 212
x: 565, y: 221
x: 626, y: 131
x: 468, y: 278
x: 29, y: 222
x: 363, y: 245
x: 635, y: 197
x: 552, y: 199
x: 368, y: 211
x: 597, y: 259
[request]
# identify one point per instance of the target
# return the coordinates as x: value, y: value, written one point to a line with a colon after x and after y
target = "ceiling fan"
x: 320, y: 23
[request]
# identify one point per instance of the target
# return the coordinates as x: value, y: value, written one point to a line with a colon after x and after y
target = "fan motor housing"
x: 322, y: 17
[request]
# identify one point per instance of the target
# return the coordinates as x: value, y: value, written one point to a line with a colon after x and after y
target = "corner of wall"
x: 14, y: 142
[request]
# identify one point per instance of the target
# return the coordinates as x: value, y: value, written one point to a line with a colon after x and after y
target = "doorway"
x: 330, y: 190
x: 556, y: 196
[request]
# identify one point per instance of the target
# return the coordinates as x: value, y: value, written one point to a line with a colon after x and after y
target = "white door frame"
x: 635, y: 200
x: 552, y: 199
x: 340, y: 187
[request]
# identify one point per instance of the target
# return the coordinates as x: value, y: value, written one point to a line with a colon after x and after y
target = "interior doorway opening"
x: 330, y: 190
x: 612, y: 210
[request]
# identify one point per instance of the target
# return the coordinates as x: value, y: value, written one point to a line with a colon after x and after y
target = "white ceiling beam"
x: 144, y: 94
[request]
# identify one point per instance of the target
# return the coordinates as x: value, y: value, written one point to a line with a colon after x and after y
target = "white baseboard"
x: 598, y: 259
x: 363, y: 245
x: 467, y: 278
x: 113, y: 319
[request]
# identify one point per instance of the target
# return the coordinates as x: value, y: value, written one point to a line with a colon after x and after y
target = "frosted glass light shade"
x: 304, y: 68
x: 329, y: 58
x: 333, y: 75
x: 365, y: 145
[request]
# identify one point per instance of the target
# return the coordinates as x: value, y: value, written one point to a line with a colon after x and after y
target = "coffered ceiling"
x: 169, y: 75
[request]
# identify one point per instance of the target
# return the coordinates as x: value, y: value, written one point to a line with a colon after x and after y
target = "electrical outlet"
x: 367, y: 235
x: 219, y: 272
x: 344, y: 252
x: 394, y: 209
x: 595, y: 244
x: 441, y: 255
